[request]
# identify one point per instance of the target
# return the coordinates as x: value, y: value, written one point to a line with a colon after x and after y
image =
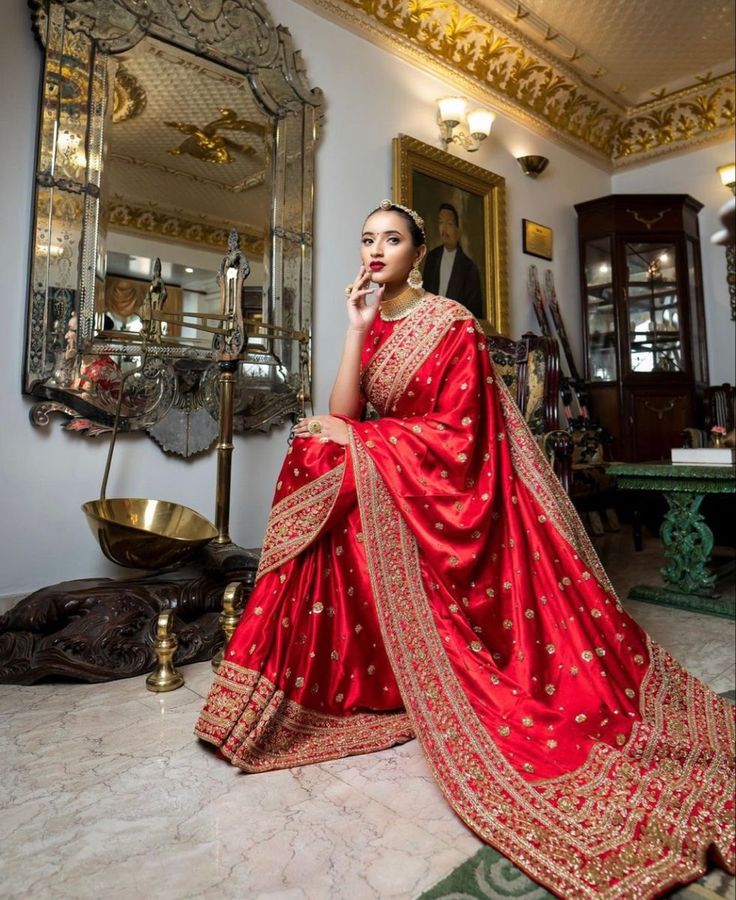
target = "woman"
x: 423, y: 574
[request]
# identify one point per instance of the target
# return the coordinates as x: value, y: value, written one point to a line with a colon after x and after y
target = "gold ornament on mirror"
x: 204, y: 142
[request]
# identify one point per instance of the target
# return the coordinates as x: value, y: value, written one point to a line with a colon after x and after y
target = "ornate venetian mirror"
x: 162, y: 125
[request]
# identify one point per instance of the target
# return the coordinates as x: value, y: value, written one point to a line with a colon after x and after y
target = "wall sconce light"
x: 725, y: 236
x: 452, y: 112
x: 728, y: 176
x: 533, y: 165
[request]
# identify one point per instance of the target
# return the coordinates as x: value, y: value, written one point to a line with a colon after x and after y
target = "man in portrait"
x: 448, y: 271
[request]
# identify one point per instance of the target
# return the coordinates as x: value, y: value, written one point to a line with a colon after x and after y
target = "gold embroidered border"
x: 388, y: 374
x: 296, y: 519
x: 612, y: 820
x: 534, y: 470
x: 258, y: 729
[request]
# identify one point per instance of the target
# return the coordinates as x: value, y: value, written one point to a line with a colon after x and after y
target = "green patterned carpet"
x: 490, y: 876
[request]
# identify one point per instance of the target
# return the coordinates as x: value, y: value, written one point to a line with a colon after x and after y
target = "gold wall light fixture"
x: 452, y: 114
x: 725, y: 236
x: 532, y: 165
x: 727, y: 175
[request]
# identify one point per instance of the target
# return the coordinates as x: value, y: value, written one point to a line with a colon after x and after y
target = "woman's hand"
x: 322, y: 428
x: 360, y: 314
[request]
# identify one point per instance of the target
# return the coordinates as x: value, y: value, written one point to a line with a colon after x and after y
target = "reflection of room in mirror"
x: 188, y: 157
x: 200, y: 130
x: 190, y: 276
x: 157, y: 149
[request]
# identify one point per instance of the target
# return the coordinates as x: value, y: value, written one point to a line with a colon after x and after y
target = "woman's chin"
x: 383, y: 279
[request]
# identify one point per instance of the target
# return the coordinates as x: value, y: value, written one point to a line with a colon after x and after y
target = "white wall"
x: 694, y: 173
x: 370, y: 98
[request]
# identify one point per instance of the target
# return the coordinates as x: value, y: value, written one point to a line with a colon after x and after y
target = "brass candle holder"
x: 229, y: 617
x: 165, y: 677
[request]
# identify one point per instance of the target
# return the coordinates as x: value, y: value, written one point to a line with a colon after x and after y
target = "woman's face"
x: 387, y: 250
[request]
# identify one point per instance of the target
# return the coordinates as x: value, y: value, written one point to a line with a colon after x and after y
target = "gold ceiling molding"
x: 128, y: 97
x: 689, y: 117
x: 125, y: 216
x: 466, y: 45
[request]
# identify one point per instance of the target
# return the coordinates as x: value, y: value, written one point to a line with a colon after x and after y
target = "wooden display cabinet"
x: 644, y: 330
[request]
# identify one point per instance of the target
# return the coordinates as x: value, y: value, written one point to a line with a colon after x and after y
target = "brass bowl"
x: 147, y: 534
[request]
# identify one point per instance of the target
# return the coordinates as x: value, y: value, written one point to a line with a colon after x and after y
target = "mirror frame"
x: 78, y: 37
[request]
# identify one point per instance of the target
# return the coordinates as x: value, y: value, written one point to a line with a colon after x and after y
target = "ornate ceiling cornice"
x: 177, y: 225
x: 464, y: 44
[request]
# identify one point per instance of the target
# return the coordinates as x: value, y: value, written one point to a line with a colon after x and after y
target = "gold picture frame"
x: 424, y: 178
x: 536, y: 239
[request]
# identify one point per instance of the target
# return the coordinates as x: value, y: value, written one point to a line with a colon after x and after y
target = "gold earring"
x: 415, y: 279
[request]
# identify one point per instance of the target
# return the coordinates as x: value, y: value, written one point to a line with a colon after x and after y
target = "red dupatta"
x: 556, y: 729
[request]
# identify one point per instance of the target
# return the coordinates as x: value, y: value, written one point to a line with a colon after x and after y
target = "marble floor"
x: 105, y: 793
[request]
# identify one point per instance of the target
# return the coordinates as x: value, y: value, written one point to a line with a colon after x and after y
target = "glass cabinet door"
x: 653, y: 308
x: 600, y: 311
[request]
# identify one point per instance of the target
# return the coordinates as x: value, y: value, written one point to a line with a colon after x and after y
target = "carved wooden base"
x: 101, y: 629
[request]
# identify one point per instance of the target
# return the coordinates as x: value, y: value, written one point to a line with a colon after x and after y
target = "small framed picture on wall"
x: 536, y: 239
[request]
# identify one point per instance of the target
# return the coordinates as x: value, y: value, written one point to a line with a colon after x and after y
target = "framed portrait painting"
x: 464, y: 211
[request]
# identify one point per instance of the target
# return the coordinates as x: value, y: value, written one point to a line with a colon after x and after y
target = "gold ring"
x: 349, y: 290
x: 314, y: 427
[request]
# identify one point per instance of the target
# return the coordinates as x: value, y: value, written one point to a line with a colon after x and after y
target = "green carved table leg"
x: 688, y: 542
x: 687, y: 545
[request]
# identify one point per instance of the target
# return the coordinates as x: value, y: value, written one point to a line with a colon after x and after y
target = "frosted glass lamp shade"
x: 452, y: 110
x: 480, y: 122
x: 727, y: 174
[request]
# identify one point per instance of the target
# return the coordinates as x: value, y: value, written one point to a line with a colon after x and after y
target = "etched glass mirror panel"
x: 162, y: 128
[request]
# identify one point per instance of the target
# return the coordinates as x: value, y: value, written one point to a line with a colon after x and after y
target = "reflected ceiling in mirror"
x: 159, y: 131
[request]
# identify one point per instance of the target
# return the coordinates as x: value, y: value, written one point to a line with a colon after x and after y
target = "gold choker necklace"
x: 401, y: 305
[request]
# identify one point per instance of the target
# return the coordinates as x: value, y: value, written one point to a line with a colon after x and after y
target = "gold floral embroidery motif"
x: 257, y: 728
x: 387, y: 376
x: 534, y: 470
x: 605, y: 830
x: 295, y: 520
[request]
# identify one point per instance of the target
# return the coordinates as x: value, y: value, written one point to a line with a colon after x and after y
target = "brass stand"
x: 164, y: 677
x: 229, y: 617
x: 225, y: 451
x: 98, y: 629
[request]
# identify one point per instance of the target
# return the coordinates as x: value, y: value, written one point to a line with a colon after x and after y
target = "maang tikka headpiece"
x: 388, y: 204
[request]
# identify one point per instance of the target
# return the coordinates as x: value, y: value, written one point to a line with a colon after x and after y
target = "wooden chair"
x: 719, y: 408
x: 530, y: 369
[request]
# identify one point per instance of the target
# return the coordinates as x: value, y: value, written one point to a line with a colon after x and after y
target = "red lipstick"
x: 376, y: 266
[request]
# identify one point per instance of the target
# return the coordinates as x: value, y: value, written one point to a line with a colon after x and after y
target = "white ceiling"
x: 630, y: 49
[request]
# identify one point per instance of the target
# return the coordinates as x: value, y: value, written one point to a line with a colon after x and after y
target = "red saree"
x: 432, y: 579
